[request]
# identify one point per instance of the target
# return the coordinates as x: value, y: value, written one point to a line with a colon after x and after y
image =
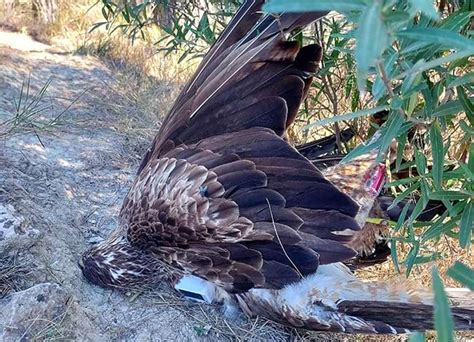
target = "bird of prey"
x: 227, y: 211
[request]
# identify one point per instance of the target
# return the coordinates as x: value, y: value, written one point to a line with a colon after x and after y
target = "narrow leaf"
x: 426, y: 7
x: 438, y: 154
x: 411, y: 257
x: 449, y: 195
x: 467, y: 104
x: 278, y: 6
x: 442, y: 312
x: 417, y: 336
x: 391, y: 130
x: 462, y: 274
x: 462, y: 80
x: 372, y: 39
x: 467, y: 224
x: 345, y: 117
x: 422, y: 66
x: 440, y: 37
x: 449, y: 108
x: 457, y: 20
x: 439, y: 227
x: 393, y: 253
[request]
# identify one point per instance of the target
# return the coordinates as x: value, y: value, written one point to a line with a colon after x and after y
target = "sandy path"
x: 69, y: 184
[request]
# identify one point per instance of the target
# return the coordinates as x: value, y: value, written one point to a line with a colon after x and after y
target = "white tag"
x: 197, y: 289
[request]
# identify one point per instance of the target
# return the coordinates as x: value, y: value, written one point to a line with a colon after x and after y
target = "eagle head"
x: 116, y: 263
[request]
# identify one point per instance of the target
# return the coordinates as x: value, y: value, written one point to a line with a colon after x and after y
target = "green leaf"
x: 439, y: 227
x: 278, y: 6
x: 420, y: 162
x: 397, y: 19
x: 449, y: 108
x: 372, y: 39
x: 403, y: 215
x: 417, y: 210
x: 393, y: 253
x: 457, y: 20
x: 466, y: 128
x: 426, y: 7
x: 423, y: 259
x: 425, y: 192
x: 345, y: 117
x: 411, y: 257
x: 378, y: 88
x: 467, y: 104
x: 466, y: 226
x: 391, y: 130
x: 462, y: 274
x: 470, y: 163
x: 449, y: 195
x: 462, y: 80
x: 417, y: 336
x: 410, y: 81
x: 438, y: 154
x: 401, y: 196
x: 438, y: 36
x: 360, y: 150
x: 443, y: 320
x: 422, y: 65
x: 401, y: 143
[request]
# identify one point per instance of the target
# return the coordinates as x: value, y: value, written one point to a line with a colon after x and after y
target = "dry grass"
x: 72, y: 22
x: 32, y: 112
x: 15, y: 268
x: 421, y: 274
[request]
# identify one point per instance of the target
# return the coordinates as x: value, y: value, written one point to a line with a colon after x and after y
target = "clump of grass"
x: 52, y: 330
x: 32, y: 112
x: 28, y: 107
x: 14, y: 271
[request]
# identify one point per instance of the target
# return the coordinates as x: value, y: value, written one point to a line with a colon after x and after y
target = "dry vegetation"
x: 14, y: 269
x: 137, y: 67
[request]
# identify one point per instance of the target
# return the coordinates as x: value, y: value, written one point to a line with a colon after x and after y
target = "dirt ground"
x: 68, y: 183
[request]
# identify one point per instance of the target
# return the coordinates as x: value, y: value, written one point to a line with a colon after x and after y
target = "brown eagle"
x: 227, y: 211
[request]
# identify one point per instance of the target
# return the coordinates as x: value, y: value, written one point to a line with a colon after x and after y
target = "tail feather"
x: 411, y: 316
x: 333, y: 299
x: 317, y: 148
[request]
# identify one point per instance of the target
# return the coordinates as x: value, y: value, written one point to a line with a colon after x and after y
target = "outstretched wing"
x: 238, y: 215
x: 250, y: 77
x: 220, y: 194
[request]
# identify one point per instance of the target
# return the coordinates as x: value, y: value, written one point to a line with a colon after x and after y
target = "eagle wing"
x: 220, y: 194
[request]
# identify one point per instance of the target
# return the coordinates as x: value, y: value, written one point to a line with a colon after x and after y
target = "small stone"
x: 13, y: 229
x: 25, y: 314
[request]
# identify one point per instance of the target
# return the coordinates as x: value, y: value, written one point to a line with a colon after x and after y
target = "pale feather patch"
x: 175, y: 187
x: 315, y: 298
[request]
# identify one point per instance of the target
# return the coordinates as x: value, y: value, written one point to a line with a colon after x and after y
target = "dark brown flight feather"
x: 218, y: 173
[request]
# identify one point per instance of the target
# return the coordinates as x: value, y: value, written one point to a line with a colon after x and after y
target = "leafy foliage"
x: 188, y: 26
x: 413, y: 60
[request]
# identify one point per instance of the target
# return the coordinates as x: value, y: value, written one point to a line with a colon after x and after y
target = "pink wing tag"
x: 375, y: 180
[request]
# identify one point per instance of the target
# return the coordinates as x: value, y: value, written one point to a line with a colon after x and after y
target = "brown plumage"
x: 223, y: 207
